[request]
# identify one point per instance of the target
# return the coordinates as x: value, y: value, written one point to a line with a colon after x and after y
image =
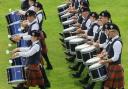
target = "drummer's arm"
x: 28, y: 53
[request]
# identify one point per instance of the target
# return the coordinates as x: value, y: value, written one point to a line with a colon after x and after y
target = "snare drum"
x: 66, y: 24
x: 62, y: 7
x: 66, y: 32
x: 19, y: 61
x: 78, y: 49
x: 92, y: 61
x: 88, y: 53
x: 22, y: 43
x: 66, y: 41
x: 16, y: 74
x: 98, y: 72
x: 14, y: 17
x: 14, y: 29
x: 66, y: 16
x: 75, y: 42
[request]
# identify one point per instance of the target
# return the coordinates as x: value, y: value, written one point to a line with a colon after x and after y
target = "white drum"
x: 92, y: 61
x: 62, y: 7
x: 98, y: 72
x: 88, y: 53
x: 78, y: 53
x: 66, y: 40
x: 67, y: 15
x: 66, y: 32
x: 75, y: 42
x: 68, y: 22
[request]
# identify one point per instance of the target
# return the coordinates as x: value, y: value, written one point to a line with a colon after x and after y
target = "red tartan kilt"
x: 43, y: 44
x: 34, y: 76
x: 115, y: 76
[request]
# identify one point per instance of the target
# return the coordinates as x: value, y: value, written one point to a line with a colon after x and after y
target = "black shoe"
x: 87, y: 86
x: 73, y: 68
x: 48, y: 85
x: 61, y: 34
x: 62, y: 40
x: 70, y: 59
x: 49, y: 67
x: 76, y: 75
x: 63, y: 45
x: 67, y: 53
x: 83, y: 81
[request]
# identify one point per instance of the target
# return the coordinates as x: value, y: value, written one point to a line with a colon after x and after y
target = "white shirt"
x: 117, y: 48
x: 39, y: 16
x: 29, y: 51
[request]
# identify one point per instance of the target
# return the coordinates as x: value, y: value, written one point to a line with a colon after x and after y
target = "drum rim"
x: 17, y: 81
x: 15, y: 66
x: 91, y: 59
x: 101, y: 65
x: 80, y: 39
x: 87, y: 51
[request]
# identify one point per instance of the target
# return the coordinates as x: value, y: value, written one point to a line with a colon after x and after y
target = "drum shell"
x: 16, y: 74
x: 78, y: 53
x: 23, y: 43
x: 13, y: 17
x: 88, y: 55
x: 14, y: 29
x: 66, y: 41
x: 74, y: 44
x: 19, y: 61
x: 98, y: 73
x: 66, y: 32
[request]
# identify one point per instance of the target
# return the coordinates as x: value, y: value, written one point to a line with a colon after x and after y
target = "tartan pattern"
x: 43, y: 44
x: 115, y: 76
x: 34, y: 76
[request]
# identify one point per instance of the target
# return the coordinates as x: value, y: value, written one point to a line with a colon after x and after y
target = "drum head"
x: 88, y: 49
x: 77, y: 40
x: 92, y: 60
x: 80, y: 47
x: 69, y: 38
x: 95, y: 66
x: 69, y: 29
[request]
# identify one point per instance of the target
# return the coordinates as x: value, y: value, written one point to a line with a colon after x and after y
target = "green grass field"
x: 60, y: 77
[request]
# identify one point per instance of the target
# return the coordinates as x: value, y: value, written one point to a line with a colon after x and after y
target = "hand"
x: 15, y: 50
x: 24, y: 23
x: 96, y: 45
x: 90, y: 42
x: 15, y: 55
x: 16, y: 38
x: 102, y: 61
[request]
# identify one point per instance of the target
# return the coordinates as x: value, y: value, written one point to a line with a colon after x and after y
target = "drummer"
x: 32, y: 25
x: 34, y: 77
x: 115, y: 79
x: 40, y: 17
x: 31, y: 7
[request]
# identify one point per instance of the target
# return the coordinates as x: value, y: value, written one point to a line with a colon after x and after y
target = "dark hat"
x: 38, y: 4
x: 35, y: 33
x: 105, y: 14
x: 84, y: 9
x: 94, y: 14
x: 33, y: 0
x: 106, y: 26
x: 30, y: 13
x: 113, y: 26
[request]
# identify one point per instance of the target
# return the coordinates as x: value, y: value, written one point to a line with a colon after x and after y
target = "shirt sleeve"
x: 31, y: 8
x: 35, y: 27
x: 40, y: 17
x: 23, y: 49
x: 30, y: 52
x: 95, y: 28
x: 117, y: 48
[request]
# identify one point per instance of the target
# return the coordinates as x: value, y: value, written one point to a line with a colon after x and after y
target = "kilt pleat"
x: 34, y: 76
x: 43, y: 43
x: 115, y: 76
